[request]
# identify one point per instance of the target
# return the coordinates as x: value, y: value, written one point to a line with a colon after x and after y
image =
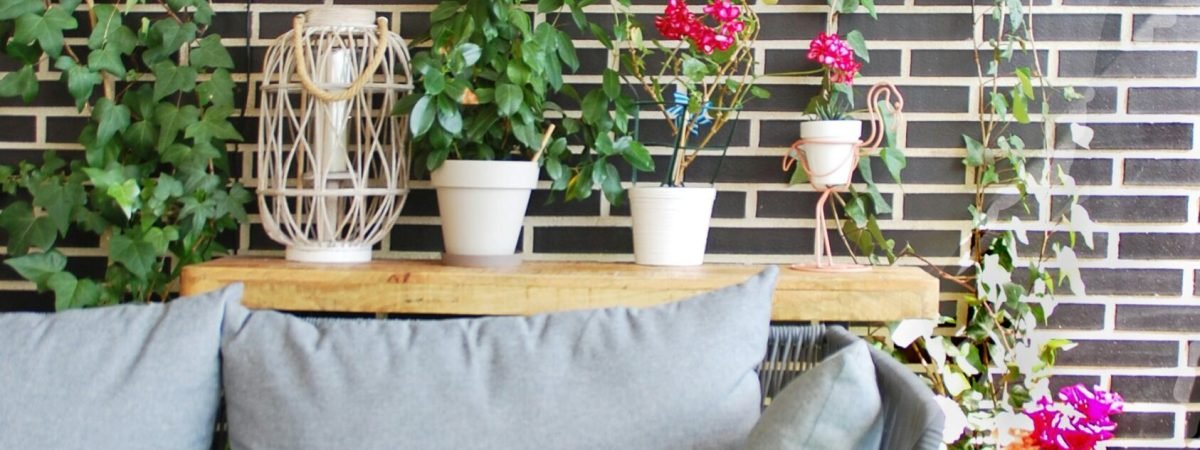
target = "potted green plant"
x: 831, y: 149
x: 706, y: 76
x: 480, y: 126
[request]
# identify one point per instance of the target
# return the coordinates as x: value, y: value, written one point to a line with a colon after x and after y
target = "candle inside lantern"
x: 330, y: 135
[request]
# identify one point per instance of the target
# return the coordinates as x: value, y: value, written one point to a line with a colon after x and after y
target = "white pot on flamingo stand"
x: 831, y: 150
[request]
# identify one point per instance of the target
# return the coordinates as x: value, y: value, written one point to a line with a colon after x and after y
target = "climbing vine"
x: 152, y: 182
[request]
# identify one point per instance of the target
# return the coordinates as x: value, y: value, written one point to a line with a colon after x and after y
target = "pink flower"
x: 831, y: 51
x: 677, y: 22
x: 1082, y: 420
x: 723, y: 10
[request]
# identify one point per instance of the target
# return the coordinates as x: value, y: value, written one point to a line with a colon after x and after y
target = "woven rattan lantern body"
x: 332, y: 167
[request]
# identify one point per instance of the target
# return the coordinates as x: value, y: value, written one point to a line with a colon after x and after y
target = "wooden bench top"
x: 428, y: 287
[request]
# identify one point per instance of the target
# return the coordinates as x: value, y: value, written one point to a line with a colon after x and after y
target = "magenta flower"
x: 677, y: 22
x: 831, y: 51
x: 1079, y: 422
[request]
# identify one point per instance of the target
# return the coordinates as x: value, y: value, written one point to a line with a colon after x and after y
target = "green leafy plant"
x: 485, y: 87
x: 707, y: 60
x: 152, y: 182
x: 989, y: 367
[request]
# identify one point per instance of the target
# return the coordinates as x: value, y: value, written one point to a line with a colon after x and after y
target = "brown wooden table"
x: 427, y: 287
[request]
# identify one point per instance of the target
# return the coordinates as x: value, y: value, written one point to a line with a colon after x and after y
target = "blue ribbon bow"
x: 681, y: 102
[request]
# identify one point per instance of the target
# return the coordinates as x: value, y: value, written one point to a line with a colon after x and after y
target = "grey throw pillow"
x: 121, y: 377
x: 835, y: 405
x: 674, y: 376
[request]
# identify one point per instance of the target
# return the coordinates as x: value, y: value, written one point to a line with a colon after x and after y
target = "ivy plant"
x: 487, y: 82
x: 152, y: 181
x: 990, y: 365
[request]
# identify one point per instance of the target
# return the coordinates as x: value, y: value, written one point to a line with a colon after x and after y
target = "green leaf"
x: 434, y: 82
x: 25, y: 230
x: 635, y: 154
x: 449, y: 117
x: 112, y: 119
x: 217, y: 90
x: 140, y: 135
x: 870, y: 4
x: 1020, y: 106
x: 858, y: 44
x: 211, y: 53
x: 595, y: 107
x: 165, y: 38
x: 421, y: 118
x: 203, y: 14
x: 12, y: 9
x: 169, y: 79
x: 566, y: 51
x: 611, y: 183
x: 612, y: 84
x: 71, y: 293
x: 59, y: 199
x: 545, y: 6
x: 894, y: 160
x: 126, y: 196
x: 46, y: 29
x: 999, y: 104
x: 138, y: 256
x: 81, y: 80
x: 508, y: 98
x: 517, y: 72
x: 214, y: 125
x: 38, y: 267
x: 974, y: 152
x: 171, y: 120
x: 21, y: 82
x: 694, y: 69
x: 107, y: 60
x: 109, y: 32
x: 470, y: 53
x: 760, y: 92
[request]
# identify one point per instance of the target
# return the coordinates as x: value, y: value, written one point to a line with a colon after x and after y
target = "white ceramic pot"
x: 670, y: 224
x: 831, y: 164
x: 482, y: 205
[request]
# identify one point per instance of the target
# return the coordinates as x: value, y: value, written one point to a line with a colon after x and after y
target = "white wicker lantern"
x: 332, y: 166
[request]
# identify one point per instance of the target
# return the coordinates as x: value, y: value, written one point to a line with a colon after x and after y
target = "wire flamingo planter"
x: 828, y: 177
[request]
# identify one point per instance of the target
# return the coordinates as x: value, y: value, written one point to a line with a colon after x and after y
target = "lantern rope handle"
x: 381, y: 25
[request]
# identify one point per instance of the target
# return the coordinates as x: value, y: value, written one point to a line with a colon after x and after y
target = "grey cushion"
x: 835, y: 405
x: 675, y: 376
x: 121, y: 377
x: 911, y: 418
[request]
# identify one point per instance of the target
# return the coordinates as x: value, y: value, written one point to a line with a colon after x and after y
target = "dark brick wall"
x: 1134, y: 61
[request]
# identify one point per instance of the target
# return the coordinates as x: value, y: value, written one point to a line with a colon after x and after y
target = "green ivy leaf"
x: 1020, y: 106
x: 25, y: 230
x: 858, y: 44
x: 218, y: 90
x: 108, y: 60
x: 38, y: 267
x: 112, y: 119
x: 508, y: 98
x: 12, y: 9
x: 81, y: 80
x: 126, y: 196
x: 999, y: 105
x: 215, y: 125
x: 138, y: 256
x: 894, y: 160
x: 59, y: 199
x: 46, y: 29
x: 211, y: 53
x: 165, y: 37
x: 974, y: 152
x: 422, y: 116
x: 21, y: 82
x: 169, y: 79
x: 171, y: 120
x: 140, y: 135
x: 203, y: 14
x: 109, y: 33
x: 71, y: 293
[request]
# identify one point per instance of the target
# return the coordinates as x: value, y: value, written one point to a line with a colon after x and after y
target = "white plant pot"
x: 831, y: 164
x: 482, y: 205
x: 670, y: 224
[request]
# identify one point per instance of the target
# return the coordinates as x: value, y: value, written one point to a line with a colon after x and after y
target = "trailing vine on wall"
x: 153, y: 180
x: 992, y: 368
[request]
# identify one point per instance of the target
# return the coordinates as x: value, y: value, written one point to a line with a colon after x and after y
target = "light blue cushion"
x: 122, y: 377
x: 835, y: 405
x: 675, y: 376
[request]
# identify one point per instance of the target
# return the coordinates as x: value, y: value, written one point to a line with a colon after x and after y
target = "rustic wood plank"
x: 427, y: 287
